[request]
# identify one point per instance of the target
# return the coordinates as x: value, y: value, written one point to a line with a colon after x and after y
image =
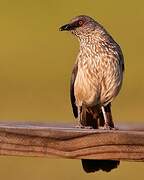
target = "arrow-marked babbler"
x: 96, y: 80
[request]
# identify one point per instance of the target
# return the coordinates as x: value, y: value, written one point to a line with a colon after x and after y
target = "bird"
x: 96, y: 80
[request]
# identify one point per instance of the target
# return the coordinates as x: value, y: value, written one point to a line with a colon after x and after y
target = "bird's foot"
x: 79, y: 126
x: 87, y: 127
x: 115, y: 128
x: 83, y: 127
x: 107, y: 127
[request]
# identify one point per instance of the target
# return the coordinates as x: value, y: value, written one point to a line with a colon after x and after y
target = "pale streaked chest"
x: 86, y: 85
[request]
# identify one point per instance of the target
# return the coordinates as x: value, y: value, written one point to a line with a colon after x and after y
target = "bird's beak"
x: 66, y: 27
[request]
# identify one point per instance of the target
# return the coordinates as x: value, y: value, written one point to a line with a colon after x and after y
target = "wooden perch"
x: 66, y: 141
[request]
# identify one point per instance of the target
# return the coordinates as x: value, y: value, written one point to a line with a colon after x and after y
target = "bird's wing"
x: 121, y: 59
x: 72, y: 96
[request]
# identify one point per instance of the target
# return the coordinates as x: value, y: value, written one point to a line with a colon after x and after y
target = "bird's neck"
x: 90, y: 46
x: 93, y: 39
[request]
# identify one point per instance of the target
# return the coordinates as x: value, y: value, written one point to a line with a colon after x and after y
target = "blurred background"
x: 35, y: 67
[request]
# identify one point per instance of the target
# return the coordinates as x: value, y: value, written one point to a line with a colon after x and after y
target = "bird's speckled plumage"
x: 96, y: 79
x: 100, y: 68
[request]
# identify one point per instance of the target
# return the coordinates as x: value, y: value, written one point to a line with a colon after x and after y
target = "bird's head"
x: 80, y: 26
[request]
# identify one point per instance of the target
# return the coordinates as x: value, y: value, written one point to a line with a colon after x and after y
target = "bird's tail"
x: 95, y: 165
x: 90, y: 117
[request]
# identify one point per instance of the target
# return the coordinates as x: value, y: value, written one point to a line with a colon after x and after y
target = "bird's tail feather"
x: 90, y: 117
x: 96, y: 165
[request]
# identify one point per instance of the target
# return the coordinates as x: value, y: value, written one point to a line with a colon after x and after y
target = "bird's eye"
x: 80, y: 22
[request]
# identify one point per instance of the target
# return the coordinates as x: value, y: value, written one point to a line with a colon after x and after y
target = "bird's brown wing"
x: 121, y: 59
x: 72, y: 96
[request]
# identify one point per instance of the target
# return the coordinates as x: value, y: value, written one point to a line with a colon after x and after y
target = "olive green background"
x: 35, y: 66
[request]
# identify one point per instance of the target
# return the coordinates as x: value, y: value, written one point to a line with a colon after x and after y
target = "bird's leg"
x: 106, y: 121
x: 80, y: 118
x: 79, y: 125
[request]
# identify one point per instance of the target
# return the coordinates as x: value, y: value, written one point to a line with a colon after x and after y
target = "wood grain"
x: 66, y: 141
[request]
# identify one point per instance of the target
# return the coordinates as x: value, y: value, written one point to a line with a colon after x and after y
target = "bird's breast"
x: 86, y: 87
x: 98, y: 79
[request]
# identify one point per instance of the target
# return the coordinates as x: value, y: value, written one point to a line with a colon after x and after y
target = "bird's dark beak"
x: 66, y: 27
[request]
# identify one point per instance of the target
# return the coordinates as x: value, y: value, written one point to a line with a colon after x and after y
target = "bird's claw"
x: 83, y: 127
x: 107, y: 127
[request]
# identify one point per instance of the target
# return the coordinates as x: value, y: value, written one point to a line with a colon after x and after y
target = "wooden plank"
x: 66, y: 141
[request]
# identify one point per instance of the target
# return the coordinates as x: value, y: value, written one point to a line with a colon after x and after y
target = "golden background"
x: 35, y: 66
